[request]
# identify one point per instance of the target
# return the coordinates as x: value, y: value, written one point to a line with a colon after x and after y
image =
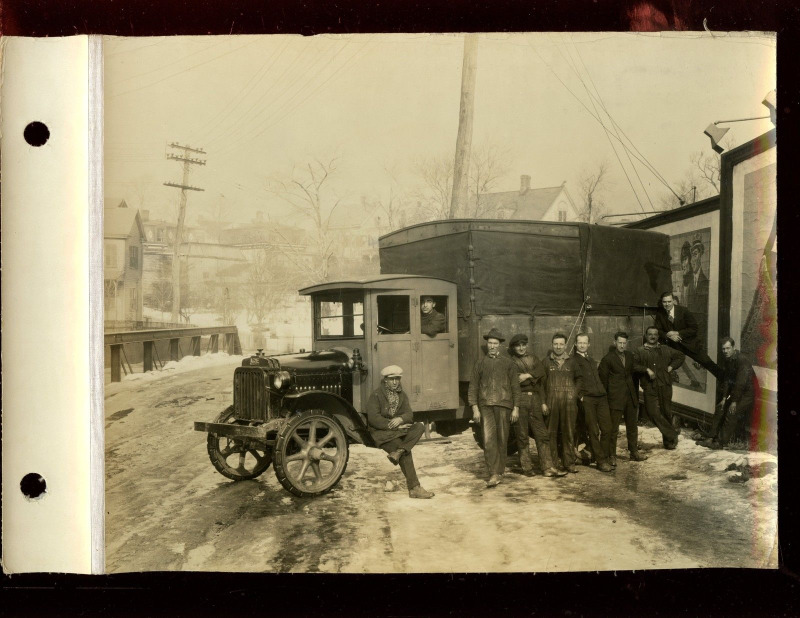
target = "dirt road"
x: 168, y: 509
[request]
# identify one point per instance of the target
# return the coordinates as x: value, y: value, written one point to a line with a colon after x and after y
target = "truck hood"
x: 322, y: 360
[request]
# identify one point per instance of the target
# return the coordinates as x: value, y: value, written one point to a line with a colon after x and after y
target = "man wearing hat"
x: 494, y: 395
x: 531, y: 375
x: 431, y: 321
x: 393, y: 429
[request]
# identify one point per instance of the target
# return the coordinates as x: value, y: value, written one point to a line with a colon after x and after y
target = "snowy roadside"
x: 172, y: 368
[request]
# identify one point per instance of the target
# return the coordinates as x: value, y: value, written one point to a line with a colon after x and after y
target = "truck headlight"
x: 282, y: 379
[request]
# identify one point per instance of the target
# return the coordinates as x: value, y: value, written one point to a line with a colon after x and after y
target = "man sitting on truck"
x: 494, y: 396
x: 392, y: 426
x: 431, y: 321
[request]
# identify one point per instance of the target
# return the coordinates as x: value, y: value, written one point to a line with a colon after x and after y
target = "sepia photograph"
x: 440, y: 303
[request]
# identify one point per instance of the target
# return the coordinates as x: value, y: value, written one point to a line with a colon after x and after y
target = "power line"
x: 613, y: 123
x: 608, y: 135
x: 191, y: 68
x: 638, y: 158
x: 265, y: 125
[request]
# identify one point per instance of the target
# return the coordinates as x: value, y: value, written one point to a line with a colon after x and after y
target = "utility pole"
x: 184, y: 187
x: 464, y: 138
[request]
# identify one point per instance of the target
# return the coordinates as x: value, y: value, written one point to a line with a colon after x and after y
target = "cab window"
x: 393, y: 315
x: 433, y: 314
x: 339, y: 314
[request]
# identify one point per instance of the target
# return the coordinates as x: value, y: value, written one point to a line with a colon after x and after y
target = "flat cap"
x: 520, y: 338
x: 392, y: 371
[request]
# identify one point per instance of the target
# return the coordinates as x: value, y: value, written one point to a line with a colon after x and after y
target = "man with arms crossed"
x: 616, y: 374
x: 494, y: 396
x: 531, y: 382
x: 655, y: 363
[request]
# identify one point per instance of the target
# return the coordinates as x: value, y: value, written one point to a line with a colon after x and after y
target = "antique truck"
x: 301, y: 411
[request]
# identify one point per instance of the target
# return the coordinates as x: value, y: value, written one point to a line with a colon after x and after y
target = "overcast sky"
x: 259, y: 104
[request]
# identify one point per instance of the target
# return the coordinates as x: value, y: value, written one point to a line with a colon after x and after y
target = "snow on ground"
x: 187, y: 363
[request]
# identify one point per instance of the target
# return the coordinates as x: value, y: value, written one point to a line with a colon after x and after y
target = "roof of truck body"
x: 388, y: 281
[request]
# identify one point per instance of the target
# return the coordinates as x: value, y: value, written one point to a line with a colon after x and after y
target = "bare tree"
x: 160, y: 296
x: 391, y: 204
x: 434, y: 195
x: 488, y: 164
x: 306, y: 189
x: 592, y: 185
x: 701, y: 180
x: 266, y: 286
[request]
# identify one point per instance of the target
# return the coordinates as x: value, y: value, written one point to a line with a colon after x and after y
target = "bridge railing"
x: 148, y: 338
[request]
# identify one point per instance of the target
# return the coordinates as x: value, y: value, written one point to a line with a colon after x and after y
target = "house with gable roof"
x: 122, y: 263
x: 542, y: 204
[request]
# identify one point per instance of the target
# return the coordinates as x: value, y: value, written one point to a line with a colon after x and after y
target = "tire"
x: 300, y: 448
x: 511, y: 445
x: 236, y: 459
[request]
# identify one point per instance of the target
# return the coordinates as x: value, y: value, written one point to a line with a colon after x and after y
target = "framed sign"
x: 694, y: 250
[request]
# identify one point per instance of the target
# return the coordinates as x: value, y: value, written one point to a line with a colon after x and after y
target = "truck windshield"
x: 339, y: 314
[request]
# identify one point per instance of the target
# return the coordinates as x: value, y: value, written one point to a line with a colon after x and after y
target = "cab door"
x: 393, y: 342
x: 436, y: 347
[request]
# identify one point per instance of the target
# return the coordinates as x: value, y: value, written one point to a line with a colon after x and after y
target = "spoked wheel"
x: 311, y: 453
x: 238, y: 459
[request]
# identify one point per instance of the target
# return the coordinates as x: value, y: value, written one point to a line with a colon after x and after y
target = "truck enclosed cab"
x: 301, y: 411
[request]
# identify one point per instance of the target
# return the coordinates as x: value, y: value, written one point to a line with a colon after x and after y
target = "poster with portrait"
x: 690, y: 263
x: 694, y: 253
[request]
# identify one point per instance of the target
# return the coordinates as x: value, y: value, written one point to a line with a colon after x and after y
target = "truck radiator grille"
x: 250, y: 396
x: 331, y: 383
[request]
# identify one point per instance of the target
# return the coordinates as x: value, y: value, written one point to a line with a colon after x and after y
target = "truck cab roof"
x: 386, y: 282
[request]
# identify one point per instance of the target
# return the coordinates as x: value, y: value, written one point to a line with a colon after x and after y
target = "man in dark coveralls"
x: 739, y: 388
x: 655, y: 363
x: 592, y: 395
x: 494, y: 396
x: 392, y: 426
x: 531, y: 382
x: 561, y: 404
x: 622, y: 388
x: 431, y: 321
x: 677, y: 327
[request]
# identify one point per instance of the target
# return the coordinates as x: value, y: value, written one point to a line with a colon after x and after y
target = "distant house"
x: 543, y: 204
x: 122, y: 263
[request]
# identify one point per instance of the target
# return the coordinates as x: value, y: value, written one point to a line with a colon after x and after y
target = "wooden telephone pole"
x: 459, y: 195
x: 184, y: 187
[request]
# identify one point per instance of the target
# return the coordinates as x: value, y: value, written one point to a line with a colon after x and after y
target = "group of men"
x: 569, y: 399
x: 566, y: 400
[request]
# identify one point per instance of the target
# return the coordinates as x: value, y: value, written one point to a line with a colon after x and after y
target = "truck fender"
x: 352, y: 422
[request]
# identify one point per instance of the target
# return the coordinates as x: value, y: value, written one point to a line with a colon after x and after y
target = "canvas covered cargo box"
x: 534, y: 277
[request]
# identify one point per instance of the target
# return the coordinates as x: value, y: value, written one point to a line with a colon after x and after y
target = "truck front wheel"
x: 239, y: 459
x: 311, y: 453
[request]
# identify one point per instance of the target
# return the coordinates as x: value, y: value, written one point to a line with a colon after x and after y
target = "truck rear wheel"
x: 239, y: 459
x: 311, y: 453
x: 511, y: 445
